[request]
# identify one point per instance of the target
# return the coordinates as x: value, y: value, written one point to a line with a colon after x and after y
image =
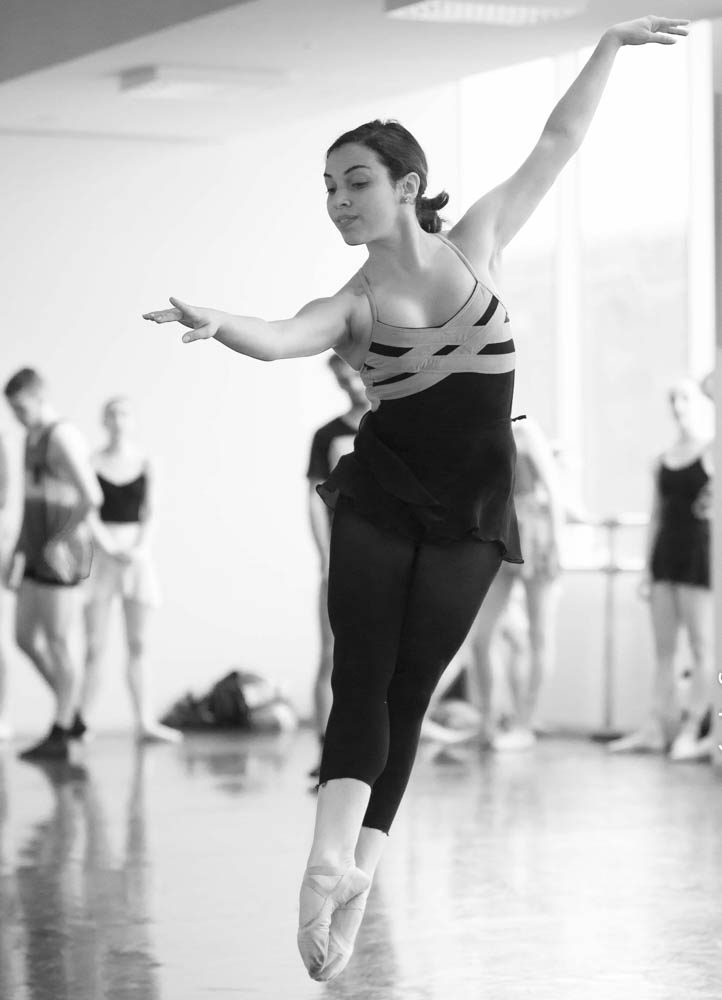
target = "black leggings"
x: 399, y: 611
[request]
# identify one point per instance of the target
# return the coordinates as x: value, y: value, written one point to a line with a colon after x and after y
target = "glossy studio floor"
x: 172, y: 874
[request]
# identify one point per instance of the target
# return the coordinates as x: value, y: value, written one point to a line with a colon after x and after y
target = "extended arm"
x: 495, y: 219
x: 317, y: 327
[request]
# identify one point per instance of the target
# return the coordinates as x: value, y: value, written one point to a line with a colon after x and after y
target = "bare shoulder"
x: 474, y: 235
x: 354, y: 347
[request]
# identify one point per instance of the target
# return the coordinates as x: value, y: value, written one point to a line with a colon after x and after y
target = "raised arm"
x: 494, y: 219
x: 318, y: 326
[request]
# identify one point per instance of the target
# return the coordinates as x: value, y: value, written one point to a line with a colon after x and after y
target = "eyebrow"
x: 357, y: 166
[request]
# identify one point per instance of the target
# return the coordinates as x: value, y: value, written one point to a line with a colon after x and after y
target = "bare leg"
x: 58, y: 608
x: 482, y: 632
x: 696, y: 610
x: 332, y: 879
x: 5, y: 728
x: 97, y: 618
x: 540, y: 600
x: 29, y: 632
x: 322, y: 689
x: 655, y: 731
x: 136, y: 616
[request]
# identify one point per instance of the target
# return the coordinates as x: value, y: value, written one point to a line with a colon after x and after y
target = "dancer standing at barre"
x: 424, y: 510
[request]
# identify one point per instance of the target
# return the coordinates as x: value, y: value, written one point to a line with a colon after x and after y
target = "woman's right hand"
x: 203, y: 323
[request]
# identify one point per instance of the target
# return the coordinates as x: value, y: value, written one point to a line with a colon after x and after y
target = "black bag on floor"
x: 240, y: 700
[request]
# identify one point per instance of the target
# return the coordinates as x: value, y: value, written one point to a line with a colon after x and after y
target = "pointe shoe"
x: 323, y: 891
x: 345, y: 925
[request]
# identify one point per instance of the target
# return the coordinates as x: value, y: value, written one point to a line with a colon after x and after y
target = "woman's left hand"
x: 661, y: 30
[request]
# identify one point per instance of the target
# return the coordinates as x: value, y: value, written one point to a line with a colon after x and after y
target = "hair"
x: 401, y: 154
x: 110, y: 403
x: 336, y: 361
x: 26, y: 378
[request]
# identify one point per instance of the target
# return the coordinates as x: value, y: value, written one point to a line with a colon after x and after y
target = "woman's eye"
x: 330, y: 191
x: 359, y: 184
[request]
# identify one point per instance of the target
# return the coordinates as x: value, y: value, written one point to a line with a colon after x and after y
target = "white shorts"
x: 133, y: 581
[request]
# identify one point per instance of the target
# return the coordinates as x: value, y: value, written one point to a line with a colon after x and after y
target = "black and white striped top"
x: 405, y: 360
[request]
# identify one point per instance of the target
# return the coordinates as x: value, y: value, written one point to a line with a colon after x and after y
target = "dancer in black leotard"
x: 677, y: 583
x: 424, y: 511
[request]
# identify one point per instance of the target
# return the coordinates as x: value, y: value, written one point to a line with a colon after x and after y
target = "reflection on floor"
x: 172, y: 874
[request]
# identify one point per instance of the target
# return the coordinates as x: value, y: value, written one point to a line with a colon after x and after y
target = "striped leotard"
x: 434, y: 459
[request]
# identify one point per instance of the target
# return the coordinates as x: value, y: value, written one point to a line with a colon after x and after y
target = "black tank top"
x: 678, y: 490
x: 122, y: 502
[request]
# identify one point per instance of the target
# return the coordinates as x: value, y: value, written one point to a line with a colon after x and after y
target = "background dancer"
x: 122, y: 569
x: 424, y: 510
x: 5, y: 546
x: 677, y: 584
x: 540, y: 510
x: 54, y: 551
x: 330, y: 443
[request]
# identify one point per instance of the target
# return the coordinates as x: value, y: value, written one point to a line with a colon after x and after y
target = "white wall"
x: 95, y: 232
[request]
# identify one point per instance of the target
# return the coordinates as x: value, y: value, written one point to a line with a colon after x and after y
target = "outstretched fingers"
x: 666, y: 30
x: 164, y: 316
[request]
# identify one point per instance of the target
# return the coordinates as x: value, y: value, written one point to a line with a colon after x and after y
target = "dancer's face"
x: 27, y: 405
x: 117, y: 418
x: 685, y: 401
x: 363, y: 202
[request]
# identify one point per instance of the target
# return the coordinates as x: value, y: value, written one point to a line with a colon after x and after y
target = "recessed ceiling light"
x: 517, y: 14
x: 196, y: 83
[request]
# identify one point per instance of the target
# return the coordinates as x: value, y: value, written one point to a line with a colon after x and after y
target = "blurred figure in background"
x: 122, y: 569
x: 54, y: 550
x: 677, y: 583
x: 5, y: 544
x: 540, y: 512
x: 329, y: 443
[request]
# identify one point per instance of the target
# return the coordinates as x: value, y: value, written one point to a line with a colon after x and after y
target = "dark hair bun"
x: 427, y: 211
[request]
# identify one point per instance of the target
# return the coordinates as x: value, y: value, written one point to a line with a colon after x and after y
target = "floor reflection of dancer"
x: 330, y: 442
x: 5, y: 547
x: 677, y: 584
x: 540, y: 510
x: 83, y: 917
x: 122, y: 569
x: 54, y: 549
x: 424, y: 513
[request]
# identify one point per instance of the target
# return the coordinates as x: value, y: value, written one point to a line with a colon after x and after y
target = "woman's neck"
x: 407, y: 250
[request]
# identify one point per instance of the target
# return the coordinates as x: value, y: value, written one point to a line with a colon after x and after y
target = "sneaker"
x: 55, y: 746
x: 517, y: 738
x: 78, y: 730
x: 649, y: 739
x: 687, y: 744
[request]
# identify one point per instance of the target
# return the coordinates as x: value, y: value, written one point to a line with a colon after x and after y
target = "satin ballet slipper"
x: 345, y: 925
x: 323, y: 891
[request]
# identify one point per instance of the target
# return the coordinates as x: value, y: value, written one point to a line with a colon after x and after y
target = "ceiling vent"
x: 514, y: 14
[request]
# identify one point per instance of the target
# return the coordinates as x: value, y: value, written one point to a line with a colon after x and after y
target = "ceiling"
x: 61, y: 59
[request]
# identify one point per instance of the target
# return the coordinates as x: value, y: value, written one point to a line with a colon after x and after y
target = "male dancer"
x: 54, y: 550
